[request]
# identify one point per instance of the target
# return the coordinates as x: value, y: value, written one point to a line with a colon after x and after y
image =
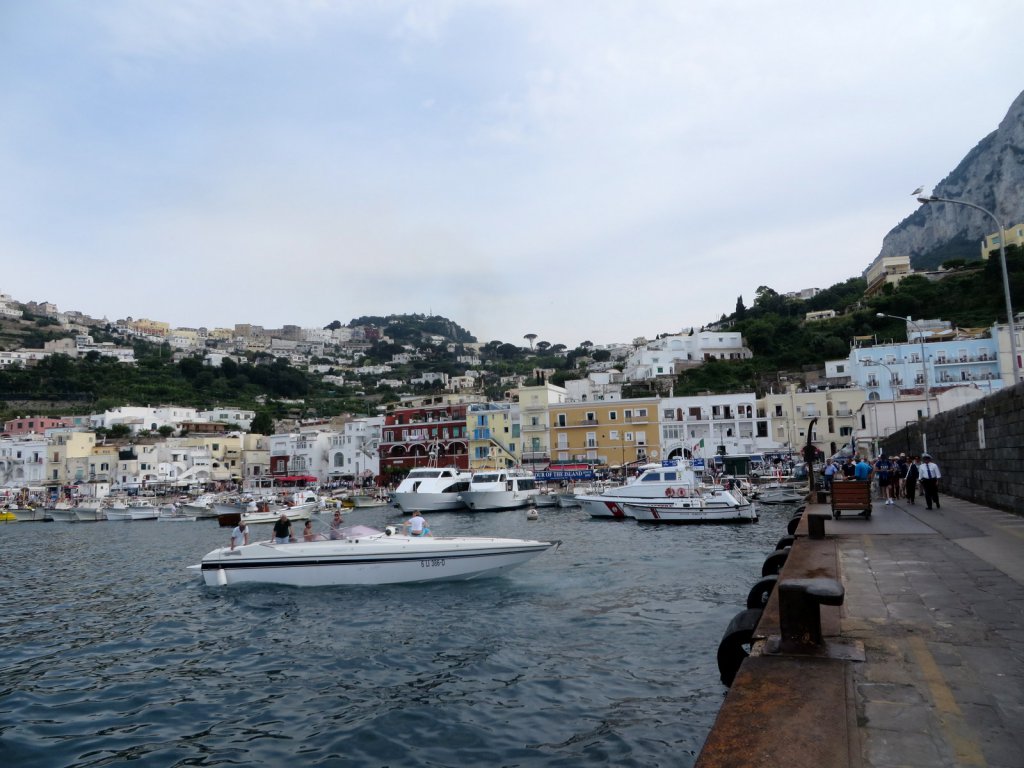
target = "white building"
x: 700, y: 425
x: 669, y: 355
x: 354, y: 450
x: 23, y: 461
x: 144, y: 419
x: 228, y: 415
x: 598, y: 385
x: 305, y: 452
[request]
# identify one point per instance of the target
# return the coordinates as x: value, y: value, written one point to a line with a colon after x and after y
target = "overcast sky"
x: 579, y: 169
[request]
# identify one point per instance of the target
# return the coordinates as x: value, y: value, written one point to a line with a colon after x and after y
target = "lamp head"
x: 880, y: 314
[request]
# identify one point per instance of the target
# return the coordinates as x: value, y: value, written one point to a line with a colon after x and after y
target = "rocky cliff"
x: 992, y: 176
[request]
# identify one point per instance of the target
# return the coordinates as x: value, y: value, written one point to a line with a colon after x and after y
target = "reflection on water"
x: 599, y: 653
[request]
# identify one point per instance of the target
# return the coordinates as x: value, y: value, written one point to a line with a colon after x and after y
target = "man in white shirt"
x: 240, y: 535
x: 929, y: 476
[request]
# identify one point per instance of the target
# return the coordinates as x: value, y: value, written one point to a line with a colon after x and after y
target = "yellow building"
x: 535, y: 421
x: 151, y: 327
x: 613, y: 433
x: 68, y: 456
x: 886, y: 270
x: 494, y: 435
x: 791, y: 413
x: 1013, y: 235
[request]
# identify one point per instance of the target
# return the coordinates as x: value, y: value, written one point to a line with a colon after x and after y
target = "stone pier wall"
x: 979, y: 448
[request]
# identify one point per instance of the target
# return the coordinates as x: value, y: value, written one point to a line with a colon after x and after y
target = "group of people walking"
x: 897, y: 476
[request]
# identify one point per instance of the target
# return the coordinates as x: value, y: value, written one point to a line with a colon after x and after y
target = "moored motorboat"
x: 368, y: 556
x: 432, y: 489
x: 90, y: 511
x: 659, y: 482
x: 500, y: 489
x: 692, y: 509
x: 30, y: 514
x: 379, y: 499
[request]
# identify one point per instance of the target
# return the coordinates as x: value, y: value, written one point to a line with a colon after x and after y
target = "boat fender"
x: 774, y: 562
x: 670, y: 492
x: 760, y: 592
x: 389, y: 531
x: 732, y: 650
x: 222, y: 578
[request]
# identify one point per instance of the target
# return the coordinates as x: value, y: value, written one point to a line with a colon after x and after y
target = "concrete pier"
x: 921, y: 665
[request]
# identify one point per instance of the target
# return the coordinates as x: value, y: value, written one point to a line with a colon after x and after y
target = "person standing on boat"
x: 416, y: 525
x: 240, y: 535
x: 336, y: 524
x: 283, y: 530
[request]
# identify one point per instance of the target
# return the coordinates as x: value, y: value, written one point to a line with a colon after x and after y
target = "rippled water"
x: 599, y: 653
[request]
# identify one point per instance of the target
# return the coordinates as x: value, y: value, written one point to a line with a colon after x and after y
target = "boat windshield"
x: 424, y: 473
x: 489, y: 477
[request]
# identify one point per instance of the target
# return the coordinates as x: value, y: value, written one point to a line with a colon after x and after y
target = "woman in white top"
x: 416, y: 525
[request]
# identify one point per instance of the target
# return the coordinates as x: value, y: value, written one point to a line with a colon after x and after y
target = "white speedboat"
x: 367, y: 556
x: 432, y: 489
x: 202, y: 506
x: 380, y: 499
x: 300, y: 507
x: 500, y: 489
x: 691, y: 509
x: 661, y: 483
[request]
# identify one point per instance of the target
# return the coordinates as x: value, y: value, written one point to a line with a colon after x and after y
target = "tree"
x: 741, y: 310
x: 262, y: 424
x: 166, y: 430
x: 530, y: 337
x: 119, y: 430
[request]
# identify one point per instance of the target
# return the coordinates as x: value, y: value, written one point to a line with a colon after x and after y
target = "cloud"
x: 596, y: 170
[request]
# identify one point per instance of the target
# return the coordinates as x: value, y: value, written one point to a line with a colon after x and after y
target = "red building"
x: 422, y: 436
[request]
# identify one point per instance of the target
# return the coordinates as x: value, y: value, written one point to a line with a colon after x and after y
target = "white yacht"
x: 500, y: 489
x: 432, y: 489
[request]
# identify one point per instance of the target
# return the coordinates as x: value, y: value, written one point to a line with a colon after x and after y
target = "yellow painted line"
x: 957, y: 733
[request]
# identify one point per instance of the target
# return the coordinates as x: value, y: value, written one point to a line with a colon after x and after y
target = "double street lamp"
x: 924, y: 374
x: 1002, y: 262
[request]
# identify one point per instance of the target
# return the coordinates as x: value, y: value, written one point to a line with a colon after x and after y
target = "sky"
x: 583, y: 170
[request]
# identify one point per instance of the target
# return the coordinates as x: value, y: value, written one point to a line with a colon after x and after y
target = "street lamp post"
x: 924, y: 374
x: 892, y: 382
x: 1002, y: 263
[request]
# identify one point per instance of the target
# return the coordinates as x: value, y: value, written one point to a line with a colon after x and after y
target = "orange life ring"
x: 670, y: 492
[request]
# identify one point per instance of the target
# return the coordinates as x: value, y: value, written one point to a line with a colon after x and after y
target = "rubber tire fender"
x: 732, y: 650
x: 758, y: 596
x: 774, y: 562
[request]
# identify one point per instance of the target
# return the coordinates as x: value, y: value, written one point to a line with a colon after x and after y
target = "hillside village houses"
x: 871, y: 393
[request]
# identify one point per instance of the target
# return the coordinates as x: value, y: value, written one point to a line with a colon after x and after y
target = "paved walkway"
x: 937, y: 598
x: 922, y: 665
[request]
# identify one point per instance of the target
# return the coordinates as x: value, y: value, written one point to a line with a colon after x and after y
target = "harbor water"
x: 601, y: 652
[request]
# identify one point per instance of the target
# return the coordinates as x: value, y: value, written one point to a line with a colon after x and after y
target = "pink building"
x: 26, y: 425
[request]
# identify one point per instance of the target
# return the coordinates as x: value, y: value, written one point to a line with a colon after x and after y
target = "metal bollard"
x: 800, y: 602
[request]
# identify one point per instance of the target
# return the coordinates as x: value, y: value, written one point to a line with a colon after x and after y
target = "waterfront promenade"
x: 923, y: 663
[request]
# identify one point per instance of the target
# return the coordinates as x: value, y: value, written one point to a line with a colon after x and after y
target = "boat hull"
x: 493, y: 501
x: 377, y: 559
x: 428, y: 502
x: 689, y: 513
x: 27, y: 515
